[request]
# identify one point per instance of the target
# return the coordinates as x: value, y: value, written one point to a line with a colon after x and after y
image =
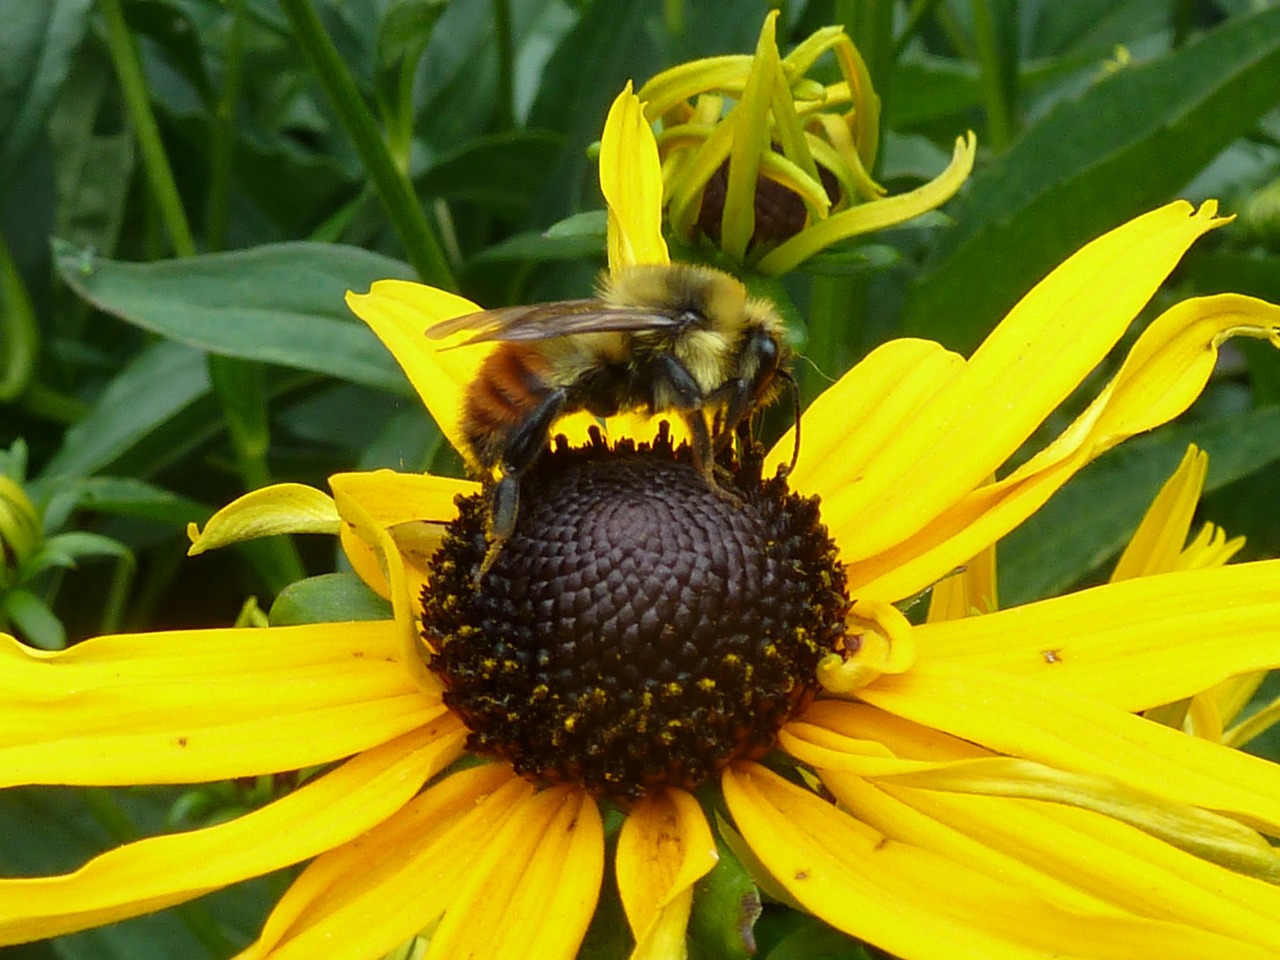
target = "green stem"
x: 21, y: 343
x: 673, y: 16
x: 392, y: 184
x: 222, y: 134
x: 997, y: 85
x: 237, y: 383
x: 920, y: 9
x: 133, y: 84
x: 837, y: 309
x: 118, y: 594
x: 506, y: 65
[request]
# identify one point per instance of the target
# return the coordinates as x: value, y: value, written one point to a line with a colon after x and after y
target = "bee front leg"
x: 676, y: 389
x: 524, y: 444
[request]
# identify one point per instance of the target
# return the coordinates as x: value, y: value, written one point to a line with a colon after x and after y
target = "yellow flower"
x: 977, y: 787
x: 781, y: 174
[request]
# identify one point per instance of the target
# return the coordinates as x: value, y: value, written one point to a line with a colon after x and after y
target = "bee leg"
x: 524, y: 444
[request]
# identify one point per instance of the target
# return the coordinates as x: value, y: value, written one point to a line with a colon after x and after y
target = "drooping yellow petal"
x: 1157, y: 543
x: 1132, y: 645
x: 399, y: 313
x: 280, y: 508
x: 533, y: 890
x: 1036, y: 356
x: 1074, y: 858
x: 873, y: 215
x: 160, y: 871
x: 914, y: 902
x: 676, y: 85
x: 364, y: 897
x: 197, y: 705
x: 1099, y: 856
x: 412, y: 507
x: 1074, y: 734
x: 1164, y: 372
x: 631, y: 181
x: 752, y: 133
x: 664, y: 848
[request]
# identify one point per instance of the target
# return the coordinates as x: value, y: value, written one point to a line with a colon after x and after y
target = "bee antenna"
x: 795, y: 406
x: 816, y: 369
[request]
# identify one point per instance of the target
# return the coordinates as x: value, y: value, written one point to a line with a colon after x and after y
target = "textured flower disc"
x: 780, y: 212
x: 639, y: 629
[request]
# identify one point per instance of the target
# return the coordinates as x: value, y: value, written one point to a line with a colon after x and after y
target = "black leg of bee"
x: 524, y: 444
x: 669, y: 373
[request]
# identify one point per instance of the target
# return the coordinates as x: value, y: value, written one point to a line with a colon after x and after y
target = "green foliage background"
x: 165, y: 345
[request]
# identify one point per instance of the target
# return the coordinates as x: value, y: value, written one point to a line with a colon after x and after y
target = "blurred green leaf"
x: 1090, y: 519
x: 163, y: 380
x: 814, y: 940
x: 500, y: 172
x: 1121, y: 147
x: 280, y: 303
x: 33, y: 619
x: 37, y: 45
x: 405, y: 28
x: 726, y: 905
x: 328, y: 598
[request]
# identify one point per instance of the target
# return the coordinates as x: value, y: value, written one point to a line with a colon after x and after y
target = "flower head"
x: 981, y: 785
x: 771, y: 165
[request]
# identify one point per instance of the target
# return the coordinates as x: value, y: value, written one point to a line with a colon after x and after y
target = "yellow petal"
x: 160, y: 871
x: 1076, y: 859
x: 1157, y: 543
x: 533, y: 890
x: 631, y: 181
x: 1028, y: 365
x: 969, y: 592
x: 363, y: 898
x: 873, y: 215
x: 413, y: 508
x: 1163, y: 374
x: 281, y: 508
x: 751, y: 139
x: 1075, y: 734
x: 399, y: 313
x: 664, y: 848
x: 676, y: 85
x: 916, y: 903
x: 1132, y: 645
x: 197, y: 705
x: 852, y: 423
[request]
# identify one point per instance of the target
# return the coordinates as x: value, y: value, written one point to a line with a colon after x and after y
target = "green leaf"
x: 501, y: 172
x: 67, y: 549
x: 1102, y: 505
x: 129, y: 497
x: 161, y: 382
x: 329, y: 598
x: 33, y: 619
x: 37, y: 45
x: 279, y: 303
x: 814, y: 940
x: 726, y: 904
x: 1121, y: 147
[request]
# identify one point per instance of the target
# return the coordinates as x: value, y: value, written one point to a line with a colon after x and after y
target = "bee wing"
x: 542, y: 321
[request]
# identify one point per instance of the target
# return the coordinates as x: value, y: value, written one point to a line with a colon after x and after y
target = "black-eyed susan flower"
x: 974, y: 787
x: 772, y: 165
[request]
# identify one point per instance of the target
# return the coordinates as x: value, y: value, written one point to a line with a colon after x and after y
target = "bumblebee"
x: 667, y: 338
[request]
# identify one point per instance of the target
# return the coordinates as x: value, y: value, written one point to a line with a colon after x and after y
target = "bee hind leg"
x: 504, y: 507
